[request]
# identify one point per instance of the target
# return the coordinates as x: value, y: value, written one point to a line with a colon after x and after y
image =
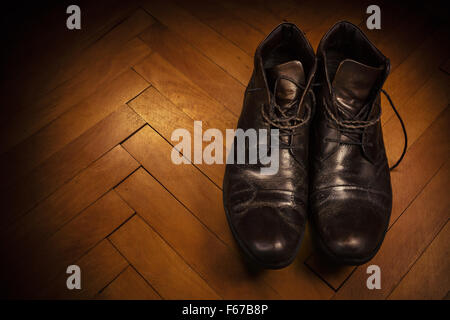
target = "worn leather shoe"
x: 267, y: 213
x: 351, y: 197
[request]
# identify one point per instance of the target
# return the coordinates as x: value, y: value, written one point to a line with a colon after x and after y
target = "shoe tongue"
x: 353, y: 83
x: 286, y: 90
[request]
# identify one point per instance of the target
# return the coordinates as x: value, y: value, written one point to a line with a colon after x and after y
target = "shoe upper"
x: 351, y: 195
x: 268, y: 213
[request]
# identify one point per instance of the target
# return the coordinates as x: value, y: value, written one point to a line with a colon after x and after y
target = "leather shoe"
x: 350, y: 196
x: 267, y: 213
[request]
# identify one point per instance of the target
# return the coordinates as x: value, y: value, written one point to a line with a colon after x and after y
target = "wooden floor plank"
x: 315, y: 20
x: 204, y: 199
x: 188, y: 97
x: 220, y: 266
x: 54, y: 62
x: 129, y: 285
x: 51, y: 106
x: 66, y: 184
x: 224, y: 53
x: 413, y: 72
x: 69, y: 243
x: 333, y: 274
x: 308, y: 15
x: 165, y: 117
x: 298, y: 282
x: 68, y: 201
x: 435, y: 95
x: 428, y: 278
x: 389, y: 22
x: 424, y: 158
x: 99, y: 267
x: 226, y: 23
x: 195, y: 66
x: 283, y: 9
x: 201, y: 197
x: 158, y: 263
x: 112, y: 41
x: 394, y: 38
x: 338, y: 11
x: 256, y: 15
x: 30, y: 153
x: 66, y: 163
x: 406, y: 240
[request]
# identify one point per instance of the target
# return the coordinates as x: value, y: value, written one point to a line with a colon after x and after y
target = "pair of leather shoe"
x: 332, y: 160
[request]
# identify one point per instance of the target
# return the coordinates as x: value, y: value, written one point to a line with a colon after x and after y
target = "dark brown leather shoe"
x: 351, y: 195
x: 267, y: 213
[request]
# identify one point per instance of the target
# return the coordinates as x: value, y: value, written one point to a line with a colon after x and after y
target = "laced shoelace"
x: 284, y: 118
x: 353, y: 129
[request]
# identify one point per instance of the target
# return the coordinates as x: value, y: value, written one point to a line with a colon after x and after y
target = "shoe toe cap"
x: 352, y: 231
x: 351, y: 246
x: 271, y: 235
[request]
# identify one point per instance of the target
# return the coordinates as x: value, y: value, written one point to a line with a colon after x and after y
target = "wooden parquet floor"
x: 85, y: 146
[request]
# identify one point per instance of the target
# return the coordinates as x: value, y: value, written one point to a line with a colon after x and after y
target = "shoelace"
x: 350, y: 128
x: 283, y: 120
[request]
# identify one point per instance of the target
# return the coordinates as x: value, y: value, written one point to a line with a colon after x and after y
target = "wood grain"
x: 221, y: 267
x: 99, y: 267
x: 224, y: 53
x: 334, y: 11
x: 158, y: 263
x: 129, y: 285
x: 69, y: 200
x: 164, y: 117
x: 394, y: 38
x: 69, y: 243
x: 86, y: 181
x: 67, y: 162
x: 190, y: 100
x: 435, y: 95
x: 217, y: 83
x: 201, y: 197
x: 33, y: 151
x: 257, y: 16
x: 414, y: 71
x: 424, y: 159
x: 113, y: 39
x: 107, y: 65
x: 428, y: 278
x: 188, y: 97
x: 54, y: 62
x: 226, y: 23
